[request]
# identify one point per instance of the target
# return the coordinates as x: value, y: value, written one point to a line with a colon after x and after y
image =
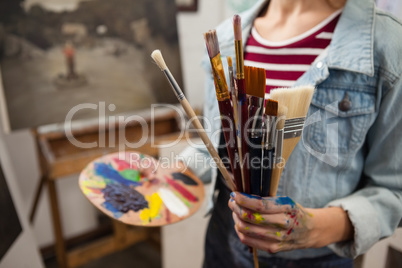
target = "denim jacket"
x: 349, y: 158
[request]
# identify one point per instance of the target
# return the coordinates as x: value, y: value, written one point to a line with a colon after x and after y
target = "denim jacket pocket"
x: 333, y: 126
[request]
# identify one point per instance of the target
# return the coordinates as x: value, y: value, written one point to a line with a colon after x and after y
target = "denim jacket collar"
x: 353, y: 53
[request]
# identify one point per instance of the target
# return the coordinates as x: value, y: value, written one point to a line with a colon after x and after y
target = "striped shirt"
x: 286, y: 61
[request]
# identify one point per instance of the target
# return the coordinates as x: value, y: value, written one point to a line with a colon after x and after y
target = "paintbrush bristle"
x: 158, y: 58
x: 229, y: 59
x: 237, y: 27
x: 271, y: 108
x: 282, y: 115
x: 211, y: 40
x: 255, y: 81
x: 296, y: 99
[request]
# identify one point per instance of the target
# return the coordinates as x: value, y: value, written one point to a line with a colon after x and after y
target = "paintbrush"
x: 278, y: 164
x: 242, y: 101
x: 297, y: 100
x: 225, y: 106
x: 255, y: 85
x: 158, y: 58
x: 233, y: 96
x: 271, y: 112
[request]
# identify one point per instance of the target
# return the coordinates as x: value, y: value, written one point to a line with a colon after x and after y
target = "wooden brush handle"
x: 201, y: 131
x: 288, y: 146
x: 275, y: 177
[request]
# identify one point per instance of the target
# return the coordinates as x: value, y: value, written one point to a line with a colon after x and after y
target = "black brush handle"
x: 267, y: 162
x: 255, y: 152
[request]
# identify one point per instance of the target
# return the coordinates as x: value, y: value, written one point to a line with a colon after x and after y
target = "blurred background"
x: 180, y: 245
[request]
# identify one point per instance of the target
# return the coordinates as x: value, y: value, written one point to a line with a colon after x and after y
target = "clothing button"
x: 319, y: 64
x: 345, y: 104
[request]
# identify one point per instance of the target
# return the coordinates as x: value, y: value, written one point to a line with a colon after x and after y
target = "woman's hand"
x: 278, y: 224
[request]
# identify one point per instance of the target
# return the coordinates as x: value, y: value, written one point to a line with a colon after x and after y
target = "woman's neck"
x: 284, y: 19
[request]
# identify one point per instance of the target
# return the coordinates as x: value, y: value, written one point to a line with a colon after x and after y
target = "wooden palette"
x: 137, y: 190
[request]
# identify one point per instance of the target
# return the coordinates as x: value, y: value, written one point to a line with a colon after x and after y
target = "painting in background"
x: 241, y: 5
x: 10, y: 226
x: 56, y: 54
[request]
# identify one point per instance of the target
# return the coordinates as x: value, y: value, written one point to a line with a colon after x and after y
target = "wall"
x: 23, y: 252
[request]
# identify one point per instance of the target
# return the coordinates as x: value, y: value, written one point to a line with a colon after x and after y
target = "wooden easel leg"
x: 119, y: 234
x: 57, y: 227
x: 38, y: 193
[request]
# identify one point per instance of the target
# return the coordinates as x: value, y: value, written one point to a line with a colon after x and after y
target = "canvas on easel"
x: 56, y: 55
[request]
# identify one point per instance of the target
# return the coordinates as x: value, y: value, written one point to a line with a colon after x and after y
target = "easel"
x: 59, y: 158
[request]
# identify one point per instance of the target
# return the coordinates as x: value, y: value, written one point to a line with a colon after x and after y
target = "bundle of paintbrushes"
x: 260, y: 134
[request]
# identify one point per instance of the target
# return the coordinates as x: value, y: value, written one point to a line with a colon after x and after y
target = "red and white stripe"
x: 286, y: 61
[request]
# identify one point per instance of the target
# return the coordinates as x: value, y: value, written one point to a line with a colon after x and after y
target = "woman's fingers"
x: 266, y: 205
x: 278, y: 220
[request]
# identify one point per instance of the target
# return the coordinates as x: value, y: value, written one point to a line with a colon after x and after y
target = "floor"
x: 141, y: 255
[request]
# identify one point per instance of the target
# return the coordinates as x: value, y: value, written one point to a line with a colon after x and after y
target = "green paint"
x: 185, y: 201
x: 130, y: 174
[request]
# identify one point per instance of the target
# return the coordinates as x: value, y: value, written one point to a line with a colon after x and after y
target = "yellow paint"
x: 245, y: 215
x: 278, y: 234
x: 155, y: 203
x: 247, y: 228
x: 88, y: 184
x: 144, y: 215
x: 257, y: 217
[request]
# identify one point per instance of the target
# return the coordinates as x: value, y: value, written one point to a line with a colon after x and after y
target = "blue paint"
x: 116, y: 213
x: 284, y: 200
x: 108, y: 172
x: 252, y: 196
x: 233, y: 194
x: 123, y: 198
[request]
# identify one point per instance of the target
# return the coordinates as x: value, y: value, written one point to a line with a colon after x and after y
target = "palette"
x: 136, y: 189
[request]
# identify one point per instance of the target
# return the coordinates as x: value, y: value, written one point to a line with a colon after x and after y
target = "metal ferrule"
x: 231, y: 84
x: 239, y: 59
x: 278, y: 146
x: 222, y: 92
x: 294, y: 127
x: 256, y: 113
x: 176, y: 88
x: 269, y: 132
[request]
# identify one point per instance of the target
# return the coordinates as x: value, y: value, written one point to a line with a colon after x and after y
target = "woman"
x: 343, y: 182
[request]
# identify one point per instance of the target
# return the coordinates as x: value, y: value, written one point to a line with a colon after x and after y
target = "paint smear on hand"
x: 183, y: 191
x: 257, y: 217
x: 284, y: 200
x: 155, y: 203
x: 173, y: 203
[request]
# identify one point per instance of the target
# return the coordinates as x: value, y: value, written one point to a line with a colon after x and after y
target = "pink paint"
x: 122, y: 165
x: 183, y: 191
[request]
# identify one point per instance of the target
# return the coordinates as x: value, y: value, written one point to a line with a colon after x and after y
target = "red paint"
x: 167, y: 215
x: 95, y: 190
x: 290, y: 231
x: 122, y: 165
x: 183, y: 191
